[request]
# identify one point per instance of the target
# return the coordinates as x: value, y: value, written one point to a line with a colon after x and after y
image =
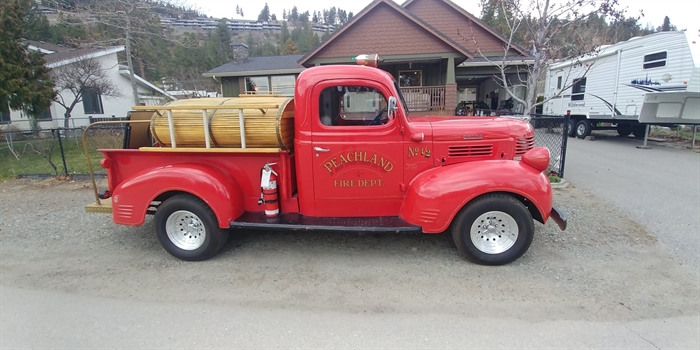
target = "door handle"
x: 319, y: 149
x: 418, y: 137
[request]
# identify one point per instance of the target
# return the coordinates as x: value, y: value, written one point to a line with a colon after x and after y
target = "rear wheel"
x: 495, y: 229
x: 187, y: 228
x: 624, y: 129
x: 571, y: 127
x: 639, y: 130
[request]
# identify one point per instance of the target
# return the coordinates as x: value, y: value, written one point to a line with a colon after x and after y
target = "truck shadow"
x: 333, y: 243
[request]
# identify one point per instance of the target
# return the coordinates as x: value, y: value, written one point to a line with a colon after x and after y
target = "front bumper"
x: 559, y: 217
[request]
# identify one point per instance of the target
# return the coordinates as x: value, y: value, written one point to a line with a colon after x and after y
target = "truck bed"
x: 243, y: 164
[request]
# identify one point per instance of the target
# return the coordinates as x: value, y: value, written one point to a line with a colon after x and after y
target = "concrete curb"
x: 561, y: 184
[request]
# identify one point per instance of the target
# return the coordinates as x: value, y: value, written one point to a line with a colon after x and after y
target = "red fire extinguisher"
x: 268, y: 190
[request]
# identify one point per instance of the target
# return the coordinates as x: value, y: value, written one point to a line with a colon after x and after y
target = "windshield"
x: 403, y: 102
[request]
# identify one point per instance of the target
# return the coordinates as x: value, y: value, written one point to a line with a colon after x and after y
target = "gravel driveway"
x: 603, y: 268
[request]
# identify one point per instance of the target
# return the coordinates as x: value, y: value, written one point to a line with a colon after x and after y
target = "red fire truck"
x: 344, y: 153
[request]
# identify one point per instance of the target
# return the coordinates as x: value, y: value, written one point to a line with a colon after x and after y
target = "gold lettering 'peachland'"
x: 358, y: 183
x: 355, y: 157
x: 418, y: 151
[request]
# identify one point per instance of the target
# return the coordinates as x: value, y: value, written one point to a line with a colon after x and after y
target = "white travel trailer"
x: 619, y: 77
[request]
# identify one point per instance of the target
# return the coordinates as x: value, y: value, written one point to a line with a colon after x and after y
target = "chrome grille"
x: 524, y: 144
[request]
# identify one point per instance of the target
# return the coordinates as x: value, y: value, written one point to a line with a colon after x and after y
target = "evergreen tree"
x: 666, y: 26
x: 25, y: 82
x: 294, y: 14
x: 264, y: 14
x: 284, y: 34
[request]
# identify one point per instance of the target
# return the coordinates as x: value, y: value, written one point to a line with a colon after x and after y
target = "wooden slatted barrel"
x: 264, y: 128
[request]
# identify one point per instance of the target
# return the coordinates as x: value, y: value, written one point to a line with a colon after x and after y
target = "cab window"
x: 352, y: 106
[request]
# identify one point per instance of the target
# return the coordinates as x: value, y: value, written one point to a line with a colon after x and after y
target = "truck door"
x: 356, y: 150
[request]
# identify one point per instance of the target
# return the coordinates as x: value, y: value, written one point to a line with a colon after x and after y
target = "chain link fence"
x: 55, y: 151
x: 550, y: 132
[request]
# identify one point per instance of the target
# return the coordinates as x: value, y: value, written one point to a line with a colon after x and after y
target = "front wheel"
x: 495, y: 229
x: 187, y: 228
x: 583, y: 129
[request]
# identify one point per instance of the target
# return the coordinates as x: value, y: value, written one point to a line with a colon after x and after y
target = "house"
x: 437, y: 51
x: 246, y: 75
x: 93, y: 105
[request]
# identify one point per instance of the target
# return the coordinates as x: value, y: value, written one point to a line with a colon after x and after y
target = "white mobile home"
x: 610, y: 86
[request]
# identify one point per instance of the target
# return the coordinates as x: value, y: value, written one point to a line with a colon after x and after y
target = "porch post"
x: 451, y: 86
x: 451, y: 76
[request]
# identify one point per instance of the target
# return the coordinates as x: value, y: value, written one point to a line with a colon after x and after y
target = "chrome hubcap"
x: 185, y: 230
x: 494, y: 232
x: 581, y: 129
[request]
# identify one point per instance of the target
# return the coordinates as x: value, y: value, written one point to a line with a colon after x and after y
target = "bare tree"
x: 135, y: 19
x: 78, y: 78
x: 541, y: 25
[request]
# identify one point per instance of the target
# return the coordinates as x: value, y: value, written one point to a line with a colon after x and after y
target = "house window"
x: 4, y: 117
x: 655, y: 60
x: 558, y: 83
x: 283, y: 84
x: 92, y: 102
x: 352, y: 106
x: 257, y: 84
x: 409, y: 78
x: 578, y: 89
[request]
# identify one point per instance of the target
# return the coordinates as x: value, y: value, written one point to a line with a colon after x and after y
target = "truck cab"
x: 358, y: 161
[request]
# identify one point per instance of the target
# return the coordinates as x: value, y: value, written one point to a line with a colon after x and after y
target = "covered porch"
x: 479, y: 85
x: 427, y: 83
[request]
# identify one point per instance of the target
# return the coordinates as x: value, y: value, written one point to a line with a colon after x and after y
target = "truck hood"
x: 459, y: 139
x: 456, y: 129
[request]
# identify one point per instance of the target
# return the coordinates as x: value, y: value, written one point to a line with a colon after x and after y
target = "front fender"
x: 219, y: 190
x: 435, y: 197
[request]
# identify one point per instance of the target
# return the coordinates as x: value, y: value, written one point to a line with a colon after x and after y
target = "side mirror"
x: 392, y: 107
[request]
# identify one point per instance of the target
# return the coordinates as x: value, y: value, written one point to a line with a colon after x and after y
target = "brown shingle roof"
x: 459, y: 48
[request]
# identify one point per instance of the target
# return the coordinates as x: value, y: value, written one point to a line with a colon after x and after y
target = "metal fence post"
x: 63, y: 154
x: 565, y: 138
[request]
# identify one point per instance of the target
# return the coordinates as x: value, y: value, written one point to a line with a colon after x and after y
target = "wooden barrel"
x: 264, y: 128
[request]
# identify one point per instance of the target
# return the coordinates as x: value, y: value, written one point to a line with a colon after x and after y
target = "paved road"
x: 43, y: 319
x: 657, y: 187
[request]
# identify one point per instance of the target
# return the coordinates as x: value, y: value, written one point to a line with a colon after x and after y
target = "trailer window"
x: 655, y: 60
x: 578, y: 89
x: 351, y: 106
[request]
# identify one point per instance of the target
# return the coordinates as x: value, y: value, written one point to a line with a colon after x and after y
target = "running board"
x: 387, y: 224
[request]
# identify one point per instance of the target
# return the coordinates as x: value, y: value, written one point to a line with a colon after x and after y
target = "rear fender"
x: 435, y: 197
x: 221, y: 192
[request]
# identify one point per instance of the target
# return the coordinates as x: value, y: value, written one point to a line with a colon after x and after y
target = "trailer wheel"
x: 187, y: 228
x: 583, y: 129
x: 495, y: 229
x: 624, y: 130
x: 639, y: 130
x: 570, y: 131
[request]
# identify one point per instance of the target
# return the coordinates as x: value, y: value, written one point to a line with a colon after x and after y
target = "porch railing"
x: 424, y: 98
